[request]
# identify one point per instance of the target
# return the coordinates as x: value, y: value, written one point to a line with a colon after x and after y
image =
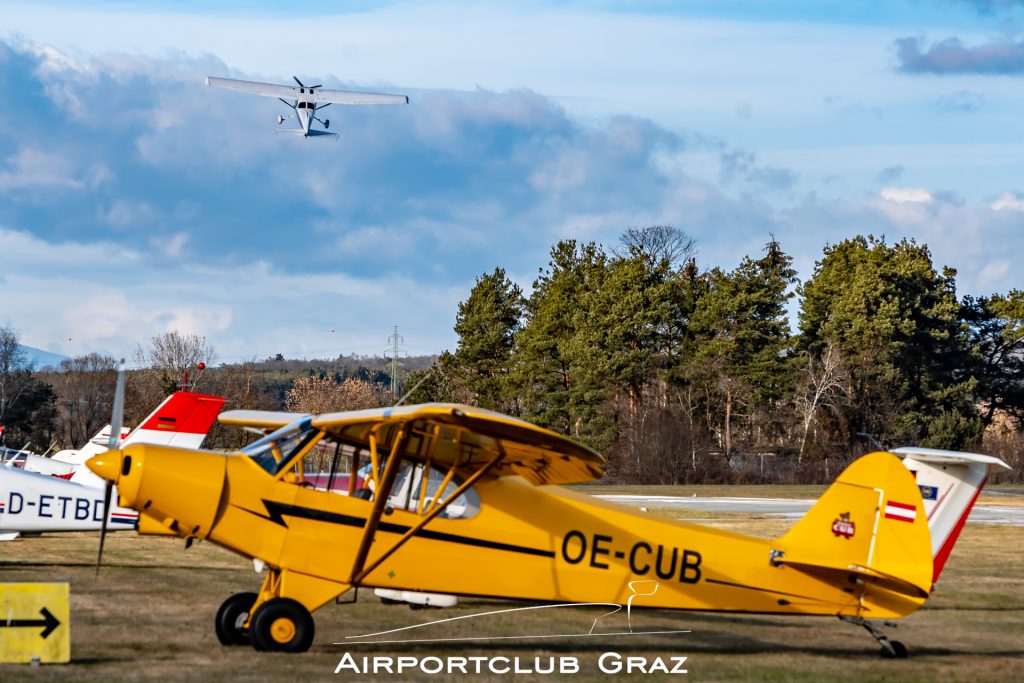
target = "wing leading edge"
x: 318, y: 95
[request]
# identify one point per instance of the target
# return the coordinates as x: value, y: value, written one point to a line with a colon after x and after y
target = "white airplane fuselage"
x: 31, y: 502
x: 305, y: 111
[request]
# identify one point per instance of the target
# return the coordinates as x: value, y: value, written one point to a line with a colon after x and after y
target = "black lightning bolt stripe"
x: 276, y: 512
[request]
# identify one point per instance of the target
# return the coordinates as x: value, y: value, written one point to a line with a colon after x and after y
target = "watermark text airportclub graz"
x: 608, y: 663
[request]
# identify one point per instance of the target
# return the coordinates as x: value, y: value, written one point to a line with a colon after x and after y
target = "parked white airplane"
x: 63, y: 463
x: 37, y: 502
x: 305, y: 101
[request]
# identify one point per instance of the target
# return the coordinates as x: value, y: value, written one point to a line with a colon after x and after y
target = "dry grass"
x: 149, y: 617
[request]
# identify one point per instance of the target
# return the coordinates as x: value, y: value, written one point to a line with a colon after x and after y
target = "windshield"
x: 273, y: 451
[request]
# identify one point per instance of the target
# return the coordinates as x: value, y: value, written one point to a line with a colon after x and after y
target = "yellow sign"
x: 35, y: 622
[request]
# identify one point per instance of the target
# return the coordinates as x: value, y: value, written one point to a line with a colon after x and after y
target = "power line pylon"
x: 395, y: 340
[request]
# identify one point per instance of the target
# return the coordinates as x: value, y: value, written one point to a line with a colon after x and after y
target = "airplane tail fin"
x: 950, y: 483
x: 182, y: 420
x: 869, y: 532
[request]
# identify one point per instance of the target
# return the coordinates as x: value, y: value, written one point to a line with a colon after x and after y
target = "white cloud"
x: 33, y: 168
x: 905, y: 195
x: 1008, y: 201
x: 77, y: 298
x: 127, y: 213
x: 993, y: 274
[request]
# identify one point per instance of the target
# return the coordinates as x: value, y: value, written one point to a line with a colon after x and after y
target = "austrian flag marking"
x: 900, y: 511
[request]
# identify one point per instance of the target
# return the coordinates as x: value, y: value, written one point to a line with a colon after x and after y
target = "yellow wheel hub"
x: 282, y: 630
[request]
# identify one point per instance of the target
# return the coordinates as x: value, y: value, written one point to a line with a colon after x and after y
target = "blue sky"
x: 134, y: 200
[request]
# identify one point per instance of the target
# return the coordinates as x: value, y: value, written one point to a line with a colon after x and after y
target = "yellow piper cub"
x: 454, y: 499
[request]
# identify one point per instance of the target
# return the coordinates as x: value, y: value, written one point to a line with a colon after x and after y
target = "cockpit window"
x: 274, y: 451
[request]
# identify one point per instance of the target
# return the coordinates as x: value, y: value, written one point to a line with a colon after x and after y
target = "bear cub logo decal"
x: 843, y: 526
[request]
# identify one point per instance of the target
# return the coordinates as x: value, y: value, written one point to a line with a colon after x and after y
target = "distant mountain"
x: 39, y: 359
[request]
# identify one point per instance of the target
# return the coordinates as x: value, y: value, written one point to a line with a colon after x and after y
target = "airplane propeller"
x: 303, y: 88
x: 116, y: 420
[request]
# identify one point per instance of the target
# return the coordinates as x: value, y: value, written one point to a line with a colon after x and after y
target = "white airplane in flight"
x: 305, y: 101
x: 48, y: 501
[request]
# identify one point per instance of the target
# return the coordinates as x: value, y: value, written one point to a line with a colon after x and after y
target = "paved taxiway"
x: 793, y: 508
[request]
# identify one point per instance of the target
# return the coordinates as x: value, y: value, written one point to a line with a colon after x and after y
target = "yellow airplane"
x: 473, y: 508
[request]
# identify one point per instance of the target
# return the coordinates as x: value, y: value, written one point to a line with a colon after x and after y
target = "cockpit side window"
x: 410, y: 492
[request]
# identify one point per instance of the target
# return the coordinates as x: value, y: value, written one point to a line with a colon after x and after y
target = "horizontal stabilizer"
x: 313, y: 133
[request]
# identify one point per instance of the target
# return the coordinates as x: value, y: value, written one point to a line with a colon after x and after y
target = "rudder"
x: 869, y: 523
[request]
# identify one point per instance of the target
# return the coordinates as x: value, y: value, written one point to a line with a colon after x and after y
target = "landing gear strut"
x: 891, y: 649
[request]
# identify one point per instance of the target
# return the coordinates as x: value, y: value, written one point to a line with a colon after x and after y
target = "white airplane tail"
x: 950, y: 482
x: 182, y: 420
x: 94, y: 446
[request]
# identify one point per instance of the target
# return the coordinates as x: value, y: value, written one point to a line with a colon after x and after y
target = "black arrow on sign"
x: 48, y: 622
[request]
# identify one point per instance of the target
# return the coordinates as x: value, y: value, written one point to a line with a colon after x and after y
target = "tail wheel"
x: 231, y: 618
x: 899, y: 650
x: 281, y: 625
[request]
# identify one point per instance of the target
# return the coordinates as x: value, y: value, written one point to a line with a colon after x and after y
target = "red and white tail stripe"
x: 182, y: 420
x: 902, y: 512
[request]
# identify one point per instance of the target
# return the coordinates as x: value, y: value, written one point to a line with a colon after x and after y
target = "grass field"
x: 1000, y: 494
x: 149, y: 617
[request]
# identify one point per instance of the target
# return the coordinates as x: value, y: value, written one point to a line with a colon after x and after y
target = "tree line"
x: 63, y: 407
x: 678, y: 373
x: 683, y: 374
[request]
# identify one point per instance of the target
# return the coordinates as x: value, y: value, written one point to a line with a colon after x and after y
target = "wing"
x: 451, y: 433
x: 255, y: 87
x: 265, y: 420
x: 350, y: 97
x: 469, y: 437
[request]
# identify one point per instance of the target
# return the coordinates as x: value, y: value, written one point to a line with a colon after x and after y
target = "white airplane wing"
x: 255, y: 87
x: 320, y: 95
x: 350, y: 97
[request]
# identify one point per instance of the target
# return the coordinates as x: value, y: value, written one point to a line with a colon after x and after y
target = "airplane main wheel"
x: 899, y: 650
x: 281, y: 625
x: 231, y: 617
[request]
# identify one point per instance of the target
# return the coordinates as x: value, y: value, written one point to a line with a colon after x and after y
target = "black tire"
x: 232, y: 614
x: 899, y: 650
x: 281, y: 625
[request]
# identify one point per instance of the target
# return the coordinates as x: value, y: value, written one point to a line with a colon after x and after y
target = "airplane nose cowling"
x: 178, y: 487
x: 106, y: 465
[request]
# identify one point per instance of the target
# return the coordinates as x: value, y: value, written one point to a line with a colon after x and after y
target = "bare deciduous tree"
x: 13, y: 362
x: 85, y: 387
x: 659, y: 242
x: 824, y: 387
x: 172, y: 356
x: 316, y: 395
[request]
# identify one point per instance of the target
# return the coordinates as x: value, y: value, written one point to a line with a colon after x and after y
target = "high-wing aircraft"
x: 44, y: 501
x: 464, y: 501
x: 305, y: 101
